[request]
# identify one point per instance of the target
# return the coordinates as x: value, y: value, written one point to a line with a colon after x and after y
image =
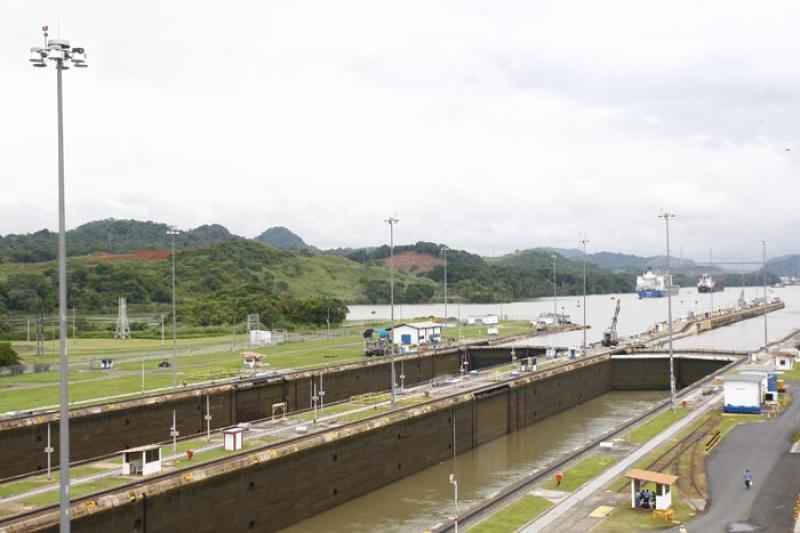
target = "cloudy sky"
x: 488, y: 125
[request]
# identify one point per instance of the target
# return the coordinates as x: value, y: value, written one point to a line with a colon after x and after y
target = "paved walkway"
x: 546, y: 521
x: 764, y: 448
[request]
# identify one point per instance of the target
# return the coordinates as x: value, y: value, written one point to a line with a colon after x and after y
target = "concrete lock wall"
x: 95, y: 433
x: 649, y: 373
x: 274, y: 494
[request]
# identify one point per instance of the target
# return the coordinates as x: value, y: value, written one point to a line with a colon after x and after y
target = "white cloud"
x: 487, y: 125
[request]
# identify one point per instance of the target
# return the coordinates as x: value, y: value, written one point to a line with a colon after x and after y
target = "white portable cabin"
x: 234, y: 438
x: 784, y: 362
x: 483, y: 319
x: 143, y: 460
x: 744, y: 393
x: 416, y: 333
x: 259, y: 337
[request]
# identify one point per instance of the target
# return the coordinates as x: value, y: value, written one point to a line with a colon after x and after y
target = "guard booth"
x: 142, y: 461
x: 662, y: 487
x: 251, y: 359
x: 233, y: 438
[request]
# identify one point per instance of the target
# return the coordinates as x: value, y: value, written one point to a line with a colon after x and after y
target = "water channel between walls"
x: 416, y: 502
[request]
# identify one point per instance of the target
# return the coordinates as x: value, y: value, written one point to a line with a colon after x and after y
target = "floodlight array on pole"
x: 584, y: 241
x: 764, y: 278
x: 666, y: 216
x: 172, y: 232
x: 392, y: 221
x: 59, y: 53
x: 444, y: 258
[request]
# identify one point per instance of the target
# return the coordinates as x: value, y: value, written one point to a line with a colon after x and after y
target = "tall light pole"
x: 392, y: 221
x: 584, y: 240
x: 444, y: 257
x: 555, y: 293
x: 62, y: 57
x: 764, y: 280
x: 172, y: 232
x: 711, y: 265
x: 666, y: 216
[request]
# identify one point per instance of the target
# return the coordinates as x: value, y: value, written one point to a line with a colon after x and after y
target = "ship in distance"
x: 653, y: 285
x: 707, y: 283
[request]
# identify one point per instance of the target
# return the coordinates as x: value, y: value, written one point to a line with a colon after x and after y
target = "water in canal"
x: 636, y: 315
x: 421, y: 500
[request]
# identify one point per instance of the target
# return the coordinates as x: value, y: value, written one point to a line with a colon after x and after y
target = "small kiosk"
x: 663, y: 488
x: 251, y: 359
x: 784, y: 361
x: 142, y: 461
x: 233, y: 438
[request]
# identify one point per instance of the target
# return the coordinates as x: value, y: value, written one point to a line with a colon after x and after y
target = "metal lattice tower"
x: 253, y: 324
x: 123, y: 330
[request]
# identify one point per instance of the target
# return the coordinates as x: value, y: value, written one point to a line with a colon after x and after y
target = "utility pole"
x: 444, y: 257
x: 711, y: 267
x: 172, y: 232
x: 555, y: 292
x: 666, y: 216
x: 162, y: 329
x: 583, y: 242
x: 764, y: 280
x: 392, y: 221
x: 73, y: 322
x: 62, y: 56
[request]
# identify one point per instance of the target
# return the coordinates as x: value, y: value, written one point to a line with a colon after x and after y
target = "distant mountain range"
x: 281, y: 237
x: 626, y: 262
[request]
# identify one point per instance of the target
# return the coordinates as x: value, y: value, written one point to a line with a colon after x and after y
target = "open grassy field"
x: 31, y: 391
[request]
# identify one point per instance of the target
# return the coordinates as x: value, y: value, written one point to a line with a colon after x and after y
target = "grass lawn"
x: 514, y: 516
x: 16, y: 487
x: 76, y: 491
x: 656, y: 425
x: 481, y: 332
x: 583, y: 472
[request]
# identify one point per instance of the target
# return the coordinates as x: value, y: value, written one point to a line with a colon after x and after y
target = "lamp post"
x: 555, y: 294
x: 62, y: 57
x: 444, y: 258
x: 583, y: 242
x: 172, y: 232
x: 666, y: 216
x: 392, y: 221
x: 764, y: 281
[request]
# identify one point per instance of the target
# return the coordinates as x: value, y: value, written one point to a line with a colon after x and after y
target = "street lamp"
x: 583, y: 242
x: 454, y: 482
x: 555, y: 295
x: 392, y: 221
x: 172, y: 232
x: 764, y: 278
x: 444, y: 257
x: 666, y: 216
x: 61, y: 56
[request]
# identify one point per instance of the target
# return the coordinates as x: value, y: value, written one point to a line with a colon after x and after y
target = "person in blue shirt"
x: 748, y: 478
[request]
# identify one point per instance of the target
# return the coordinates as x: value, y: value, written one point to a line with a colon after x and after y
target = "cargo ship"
x: 706, y: 283
x: 652, y: 285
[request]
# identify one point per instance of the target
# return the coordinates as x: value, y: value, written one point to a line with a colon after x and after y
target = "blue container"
x: 772, y: 382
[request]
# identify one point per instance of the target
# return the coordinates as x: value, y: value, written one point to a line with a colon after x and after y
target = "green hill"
x: 110, y: 236
x: 281, y: 237
x: 216, y: 283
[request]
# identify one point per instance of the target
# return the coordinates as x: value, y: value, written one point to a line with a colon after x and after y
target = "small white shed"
x: 259, y: 337
x: 784, y: 361
x: 416, y: 333
x: 234, y: 438
x: 662, y: 488
x: 251, y: 359
x: 483, y: 319
x: 143, y: 460
x: 744, y: 393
